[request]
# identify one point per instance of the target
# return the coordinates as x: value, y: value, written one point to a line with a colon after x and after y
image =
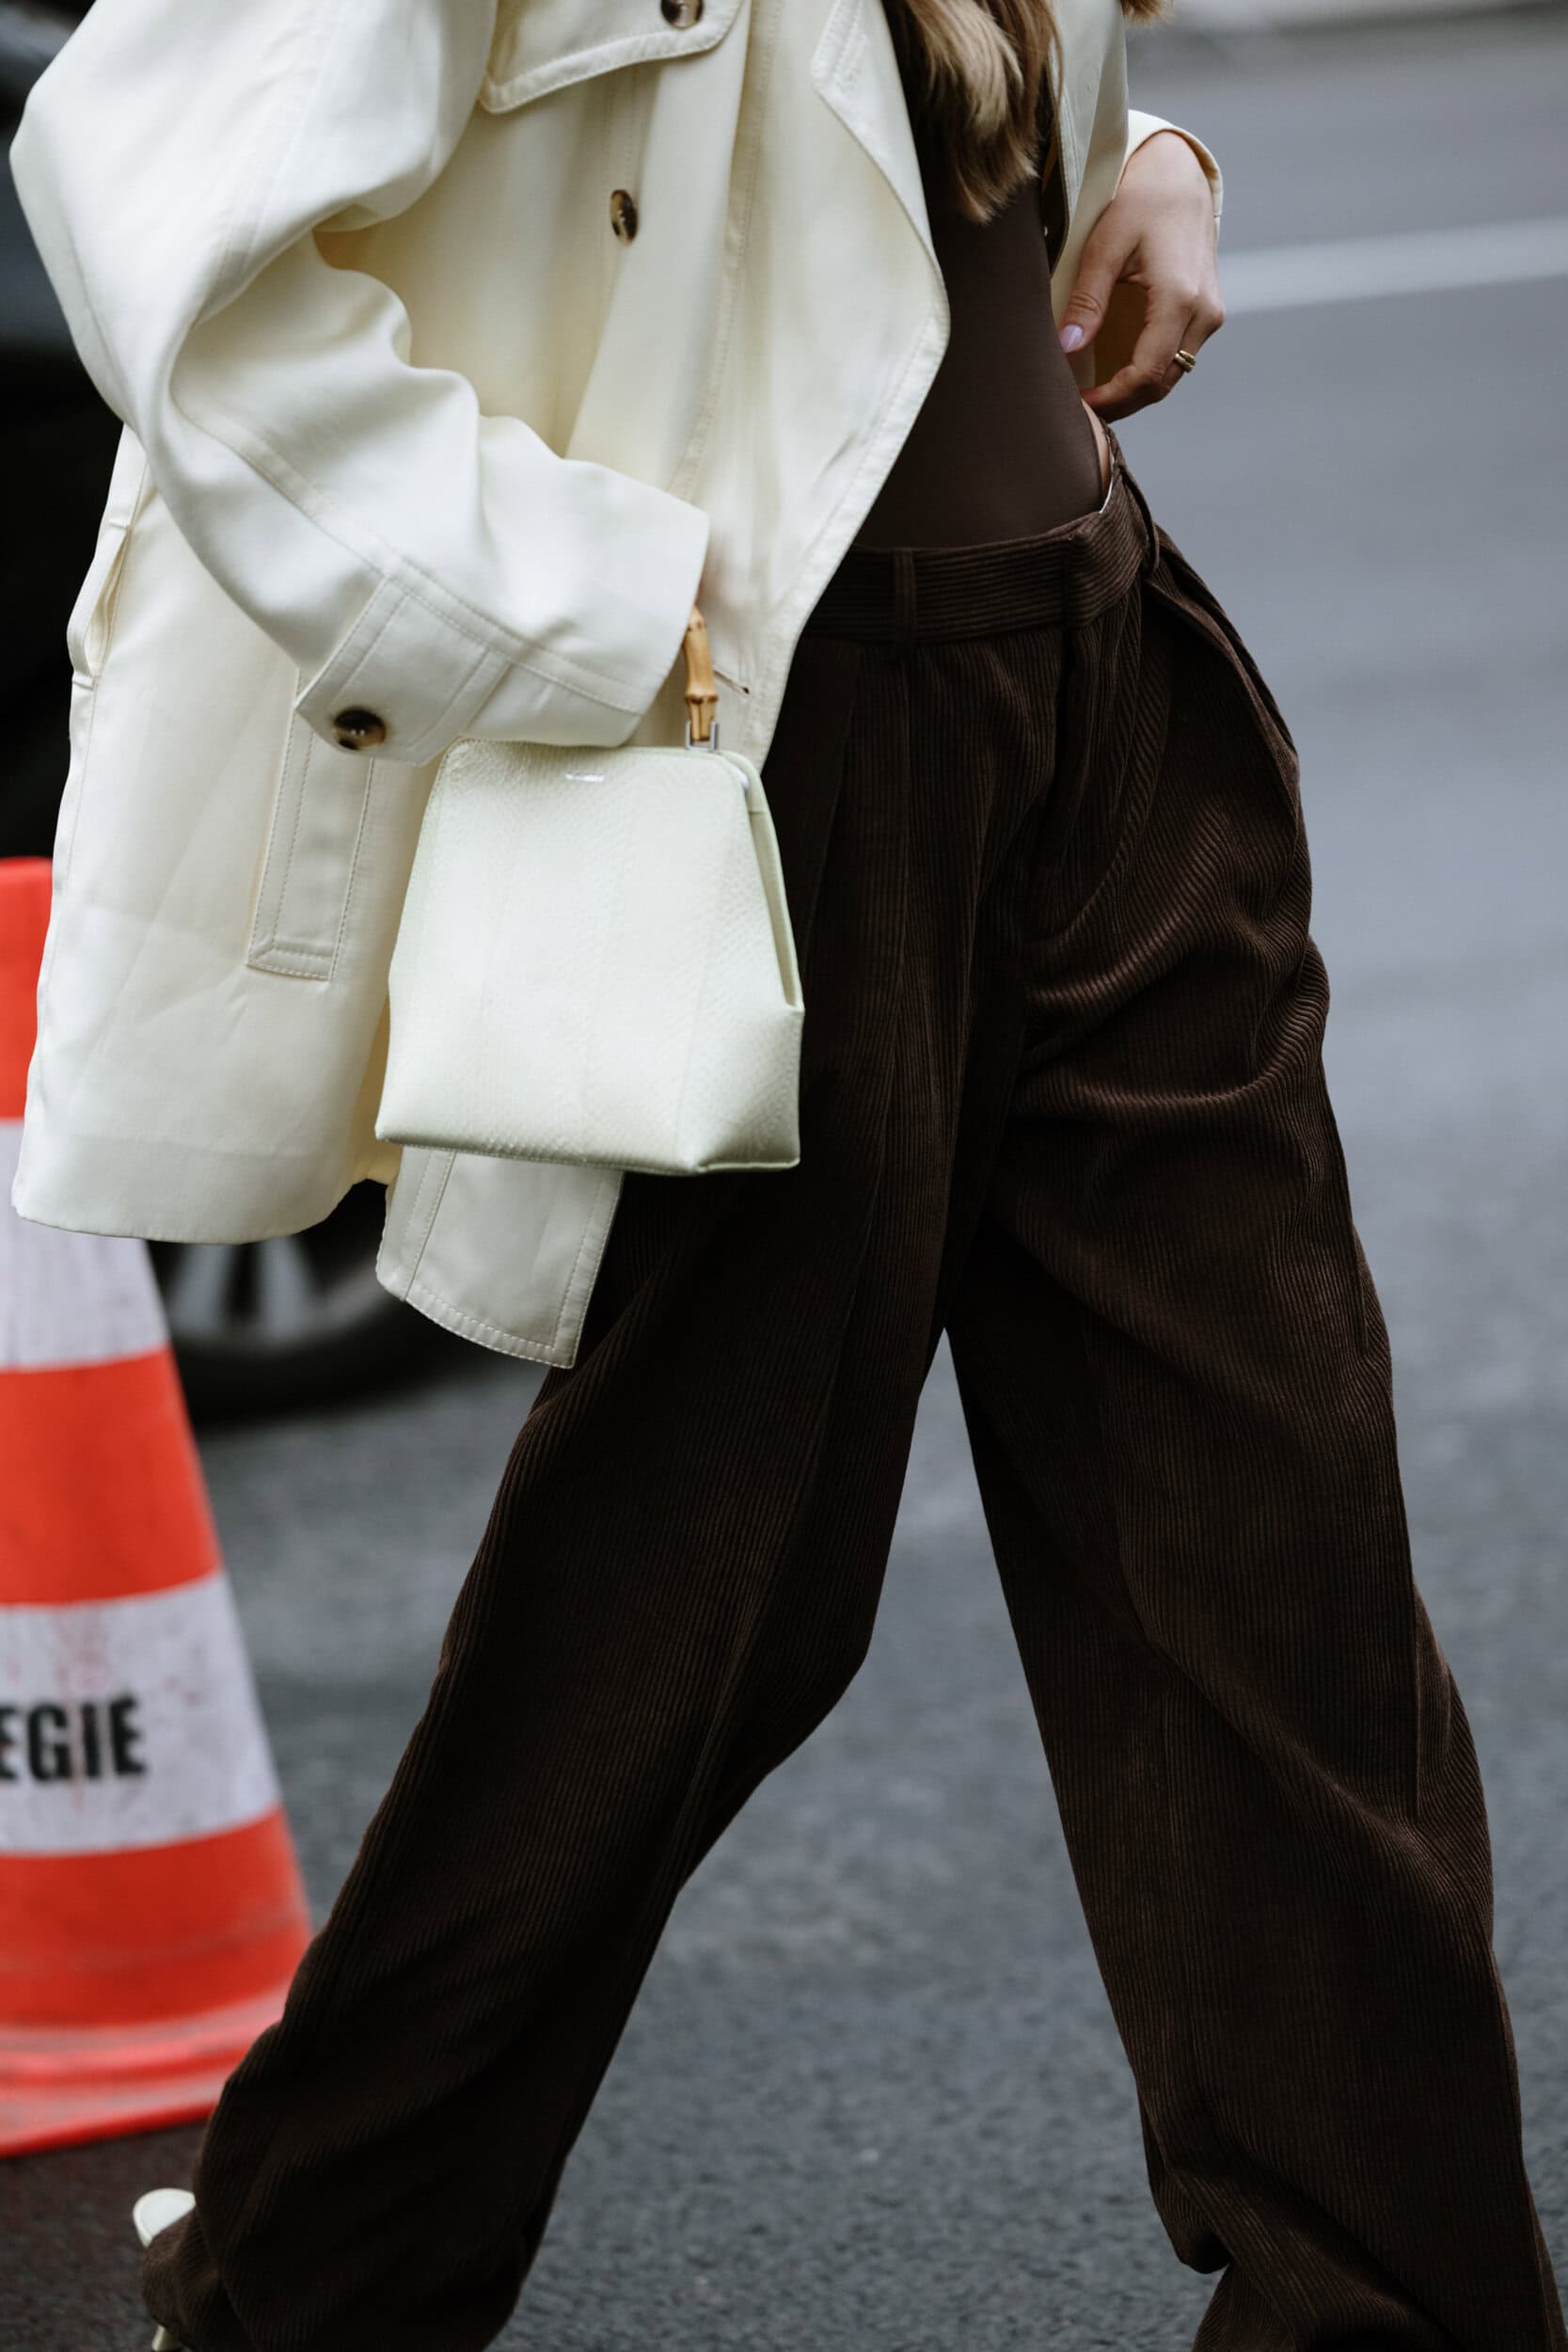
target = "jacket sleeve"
x: 1142, y: 126
x: 443, y: 568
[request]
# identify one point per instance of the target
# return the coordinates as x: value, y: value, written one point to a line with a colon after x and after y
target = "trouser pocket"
x: 1186, y: 592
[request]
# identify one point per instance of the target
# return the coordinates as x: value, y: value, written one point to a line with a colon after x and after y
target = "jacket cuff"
x: 664, y: 563
x: 416, y: 670
x: 1141, y: 127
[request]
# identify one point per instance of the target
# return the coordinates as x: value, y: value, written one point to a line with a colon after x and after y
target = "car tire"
x: 269, y: 1326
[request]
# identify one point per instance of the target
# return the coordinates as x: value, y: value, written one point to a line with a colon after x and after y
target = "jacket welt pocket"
x: 306, y: 879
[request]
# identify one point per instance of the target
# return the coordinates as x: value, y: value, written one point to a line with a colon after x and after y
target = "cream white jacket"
x: 458, y: 345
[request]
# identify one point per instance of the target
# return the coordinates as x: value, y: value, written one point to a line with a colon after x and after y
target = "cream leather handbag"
x: 594, y: 960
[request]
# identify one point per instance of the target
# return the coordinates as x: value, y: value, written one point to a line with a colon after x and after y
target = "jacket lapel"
x: 854, y: 68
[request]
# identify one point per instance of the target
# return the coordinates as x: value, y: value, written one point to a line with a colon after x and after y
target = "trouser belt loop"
x: 903, y: 603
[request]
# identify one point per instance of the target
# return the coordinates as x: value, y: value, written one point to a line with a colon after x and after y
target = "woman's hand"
x: 1157, y: 233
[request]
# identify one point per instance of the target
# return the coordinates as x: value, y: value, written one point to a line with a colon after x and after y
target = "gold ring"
x: 1187, y: 361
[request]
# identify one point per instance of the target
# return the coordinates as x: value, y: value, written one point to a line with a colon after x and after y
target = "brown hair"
x: 978, y: 65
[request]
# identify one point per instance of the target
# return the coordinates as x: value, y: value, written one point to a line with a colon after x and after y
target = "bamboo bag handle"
x: 701, y: 694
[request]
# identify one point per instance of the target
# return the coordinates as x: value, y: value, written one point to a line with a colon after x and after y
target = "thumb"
x: 1099, y: 269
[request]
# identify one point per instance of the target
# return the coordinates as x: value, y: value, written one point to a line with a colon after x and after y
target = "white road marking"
x: 1419, y: 261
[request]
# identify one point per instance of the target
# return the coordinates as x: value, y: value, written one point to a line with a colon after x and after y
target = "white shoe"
x: 153, y: 2211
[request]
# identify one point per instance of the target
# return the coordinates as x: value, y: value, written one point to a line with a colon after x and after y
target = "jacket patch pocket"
x: 543, y: 45
x: 318, y: 823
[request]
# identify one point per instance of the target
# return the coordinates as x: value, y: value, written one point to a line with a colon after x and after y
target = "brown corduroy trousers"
x: 1062, y: 1097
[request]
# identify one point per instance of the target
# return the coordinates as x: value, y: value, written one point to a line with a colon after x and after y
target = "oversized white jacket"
x: 458, y: 345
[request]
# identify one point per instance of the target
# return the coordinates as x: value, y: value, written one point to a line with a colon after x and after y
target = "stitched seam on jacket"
x: 434, y: 1175
x: 470, y: 1326
x: 260, y: 947
x: 568, y: 1296
x: 353, y: 869
x: 738, y: 232
x: 594, y: 62
x: 359, y: 658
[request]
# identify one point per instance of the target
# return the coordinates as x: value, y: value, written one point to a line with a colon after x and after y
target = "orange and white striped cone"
x: 150, y: 1906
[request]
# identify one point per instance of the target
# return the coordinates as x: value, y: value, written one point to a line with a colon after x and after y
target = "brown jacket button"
x: 681, y: 13
x: 357, y: 730
x: 622, y: 214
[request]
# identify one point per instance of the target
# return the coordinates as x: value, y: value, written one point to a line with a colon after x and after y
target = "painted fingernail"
x: 1071, y: 337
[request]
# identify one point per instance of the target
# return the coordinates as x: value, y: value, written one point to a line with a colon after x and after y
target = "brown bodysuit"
x: 1003, y: 447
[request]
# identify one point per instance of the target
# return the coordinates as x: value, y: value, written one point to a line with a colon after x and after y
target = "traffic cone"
x: 150, y: 1906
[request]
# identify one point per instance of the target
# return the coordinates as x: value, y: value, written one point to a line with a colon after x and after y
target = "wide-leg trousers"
x: 1062, y: 1097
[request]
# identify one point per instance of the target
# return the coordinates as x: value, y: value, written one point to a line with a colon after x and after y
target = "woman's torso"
x: 1003, y: 447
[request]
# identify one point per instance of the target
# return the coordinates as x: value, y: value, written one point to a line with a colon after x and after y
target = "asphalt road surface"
x: 872, y: 2096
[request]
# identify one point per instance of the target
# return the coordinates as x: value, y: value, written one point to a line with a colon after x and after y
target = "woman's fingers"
x: 1150, y: 367
x: 1105, y: 256
x: 1176, y: 318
